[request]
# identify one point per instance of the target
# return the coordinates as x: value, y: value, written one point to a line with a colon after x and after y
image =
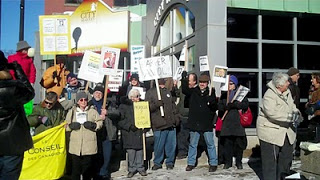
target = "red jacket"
x: 26, y: 63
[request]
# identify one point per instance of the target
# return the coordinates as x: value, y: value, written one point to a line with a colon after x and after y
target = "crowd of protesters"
x: 187, y: 124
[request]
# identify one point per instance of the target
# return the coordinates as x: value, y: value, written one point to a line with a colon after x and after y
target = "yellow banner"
x: 141, y: 114
x: 47, y: 159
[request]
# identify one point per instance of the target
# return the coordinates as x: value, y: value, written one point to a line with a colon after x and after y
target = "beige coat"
x: 83, y: 141
x: 276, y: 109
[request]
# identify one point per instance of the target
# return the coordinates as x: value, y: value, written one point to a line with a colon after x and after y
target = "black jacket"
x: 295, y: 92
x: 202, y: 108
x: 131, y: 139
x: 15, y: 135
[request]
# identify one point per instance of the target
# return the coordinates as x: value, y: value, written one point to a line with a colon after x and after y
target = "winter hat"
x: 22, y: 45
x: 70, y: 76
x: 99, y: 87
x: 3, y: 61
x: 204, y: 78
x: 162, y: 81
x: 234, y: 79
x: 292, y: 71
x: 81, y: 95
x: 134, y: 76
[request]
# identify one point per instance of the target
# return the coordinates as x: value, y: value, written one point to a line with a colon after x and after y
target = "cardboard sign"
x: 89, y: 69
x: 54, y: 34
x: 178, y: 75
x: 220, y: 74
x: 141, y: 114
x: 155, y: 68
x: 137, y: 53
x: 115, y: 81
x: 109, y: 60
x: 203, y: 63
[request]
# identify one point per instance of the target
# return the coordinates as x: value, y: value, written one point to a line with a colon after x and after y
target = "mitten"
x: 75, y: 125
x: 90, y: 125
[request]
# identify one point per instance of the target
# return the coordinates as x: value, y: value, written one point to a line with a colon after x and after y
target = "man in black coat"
x: 15, y: 135
x: 202, y: 107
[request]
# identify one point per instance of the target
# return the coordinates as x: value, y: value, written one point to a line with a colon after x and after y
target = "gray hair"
x: 279, y: 79
x: 133, y: 93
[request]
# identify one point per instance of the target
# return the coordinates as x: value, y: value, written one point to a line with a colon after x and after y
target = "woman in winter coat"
x: 132, y: 136
x: 83, y: 122
x: 276, y: 126
x: 232, y: 136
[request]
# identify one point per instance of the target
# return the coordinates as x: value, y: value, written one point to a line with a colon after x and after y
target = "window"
x: 278, y: 56
x: 249, y: 80
x: 308, y: 57
x: 242, y: 55
x: 180, y: 24
x: 277, y: 28
x: 242, y: 26
x: 165, y: 30
x: 308, y: 30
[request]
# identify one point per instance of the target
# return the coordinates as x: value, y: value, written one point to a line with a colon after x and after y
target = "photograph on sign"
x: 203, y: 63
x: 155, y: 68
x: 224, y: 85
x: 141, y: 114
x: 115, y: 81
x: 178, y: 75
x: 109, y: 60
x: 137, y: 53
x: 241, y: 93
x: 220, y: 74
x: 89, y: 69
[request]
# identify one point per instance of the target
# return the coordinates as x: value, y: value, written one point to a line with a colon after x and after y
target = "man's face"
x: 192, y: 82
x: 97, y: 95
x: 134, y: 82
x: 295, y: 77
x: 73, y: 82
x: 203, y: 85
x: 49, y: 104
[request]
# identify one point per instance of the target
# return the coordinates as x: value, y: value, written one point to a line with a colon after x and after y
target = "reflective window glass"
x: 308, y: 57
x: 277, y: 28
x: 242, y: 26
x: 308, y: 30
x: 180, y: 24
x: 242, y: 55
x: 278, y: 56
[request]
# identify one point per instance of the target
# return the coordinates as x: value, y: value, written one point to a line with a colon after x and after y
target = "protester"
x: 15, y: 136
x: 276, y: 124
x: 49, y: 113
x: 108, y: 133
x: 55, y: 77
x: 26, y: 62
x: 83, y: 122
x: 132, y: 136
x: 164, y: 127
x: 232, y: 135
x: 294, y: 75
x: 128, y: 85
x: 202, y: 108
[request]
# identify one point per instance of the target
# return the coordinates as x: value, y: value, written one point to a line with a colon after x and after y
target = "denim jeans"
x: 106, y: 148
x: 192, y: 153
x: 10, y: 167
x: 165, y: 142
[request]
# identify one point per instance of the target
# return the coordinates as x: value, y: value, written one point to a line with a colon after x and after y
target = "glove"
x: 133, y: 128
x: 296, y: 117
x: 74, y: 126
x: 54, y: 74
x: 159, y: 103
x: 310, y: 109
x: 90, y: 125
x: 233, y: 105
x: 184, y: 75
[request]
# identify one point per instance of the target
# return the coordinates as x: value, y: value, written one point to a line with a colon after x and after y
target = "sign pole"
x: 144, y: 144
x: 159, y: 96
x: 105, y: 92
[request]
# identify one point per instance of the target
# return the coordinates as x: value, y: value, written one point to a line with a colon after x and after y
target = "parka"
x: 26, y: 64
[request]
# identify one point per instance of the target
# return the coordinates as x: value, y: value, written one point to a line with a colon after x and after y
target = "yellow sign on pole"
x: 141, y: 114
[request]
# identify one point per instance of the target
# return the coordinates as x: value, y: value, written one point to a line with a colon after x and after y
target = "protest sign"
x: 141, y: 114
x: 220, y: 74
x: 224, y: 86
x: 54, y: 34
x: 89, y: 69
x: 115, y: 81
x: 109, y: 60
x: 203, y: 63
x: 183, y: 54
x: 155, y: 68
x: 137, y: 53
x: 141, y: 91
x: 241, y: 93
x: 47, y: 158
x: 177, y: 76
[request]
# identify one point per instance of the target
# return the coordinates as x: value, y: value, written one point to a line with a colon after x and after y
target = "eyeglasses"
x: 50, y: 103
x: 231, y: 83
x: 83, y: 99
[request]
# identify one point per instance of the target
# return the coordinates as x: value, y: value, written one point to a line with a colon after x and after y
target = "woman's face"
x: 83, y: 103
x: 232, y: 86
x: 135, y: 99
x: 314, y: 82
x: 284, y: 87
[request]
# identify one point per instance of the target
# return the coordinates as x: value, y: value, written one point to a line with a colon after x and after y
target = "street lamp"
x: 21, y: 30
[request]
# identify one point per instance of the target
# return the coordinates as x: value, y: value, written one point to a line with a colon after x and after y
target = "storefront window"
x: 191, y: 23
x: 242, y: 55
x: 277, y: 28
x: 165, y: 30
x: 278, y: 56
x: 242, y: 26
x: 308, y: 57
x: 308, y: 30
x: 73, y: 1
x: 191, y: 58
x: 180, y: 23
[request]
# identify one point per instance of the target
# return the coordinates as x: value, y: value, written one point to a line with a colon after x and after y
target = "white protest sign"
x: 178, y: 75
x: 155, y: 68
x: 89, y: 69
x: 109, y: 60
x: 183, y: 54
x: 224, y: 86
x: 141, y: 91
x: 241, y: 93
x: 137, y: 53
x: 204, y: 63
x: 115, y: 81
x: 220, y: 74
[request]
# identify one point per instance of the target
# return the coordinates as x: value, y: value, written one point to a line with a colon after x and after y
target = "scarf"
x: 97, y: 104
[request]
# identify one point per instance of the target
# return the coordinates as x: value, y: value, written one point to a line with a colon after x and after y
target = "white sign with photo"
x: 241, y: 93
x: 141, y: 91
x: 115, y: 81
x: 89, y: 69
x: 224, y: 86
x: 137, y: 53
x: 178, y: 75
x: 203, y: 63
x: 109, y: 60
x: 155, y: 68
x: 220, y: 74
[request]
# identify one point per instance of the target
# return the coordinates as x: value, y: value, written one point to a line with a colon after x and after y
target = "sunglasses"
x: 50, y: 103
x: 231, y: 83
x: 83, y: 99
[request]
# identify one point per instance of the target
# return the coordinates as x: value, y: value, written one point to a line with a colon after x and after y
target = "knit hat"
x: 70, y: 76
x: 3, y: 61
x: 134, y: 76
x: 99, y: 87
x: 204, y: 78
x: 292, y: 71
x: 234, y: 79
x: 22, y: 45
x: 162, y: 81
x: 81, y: 95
